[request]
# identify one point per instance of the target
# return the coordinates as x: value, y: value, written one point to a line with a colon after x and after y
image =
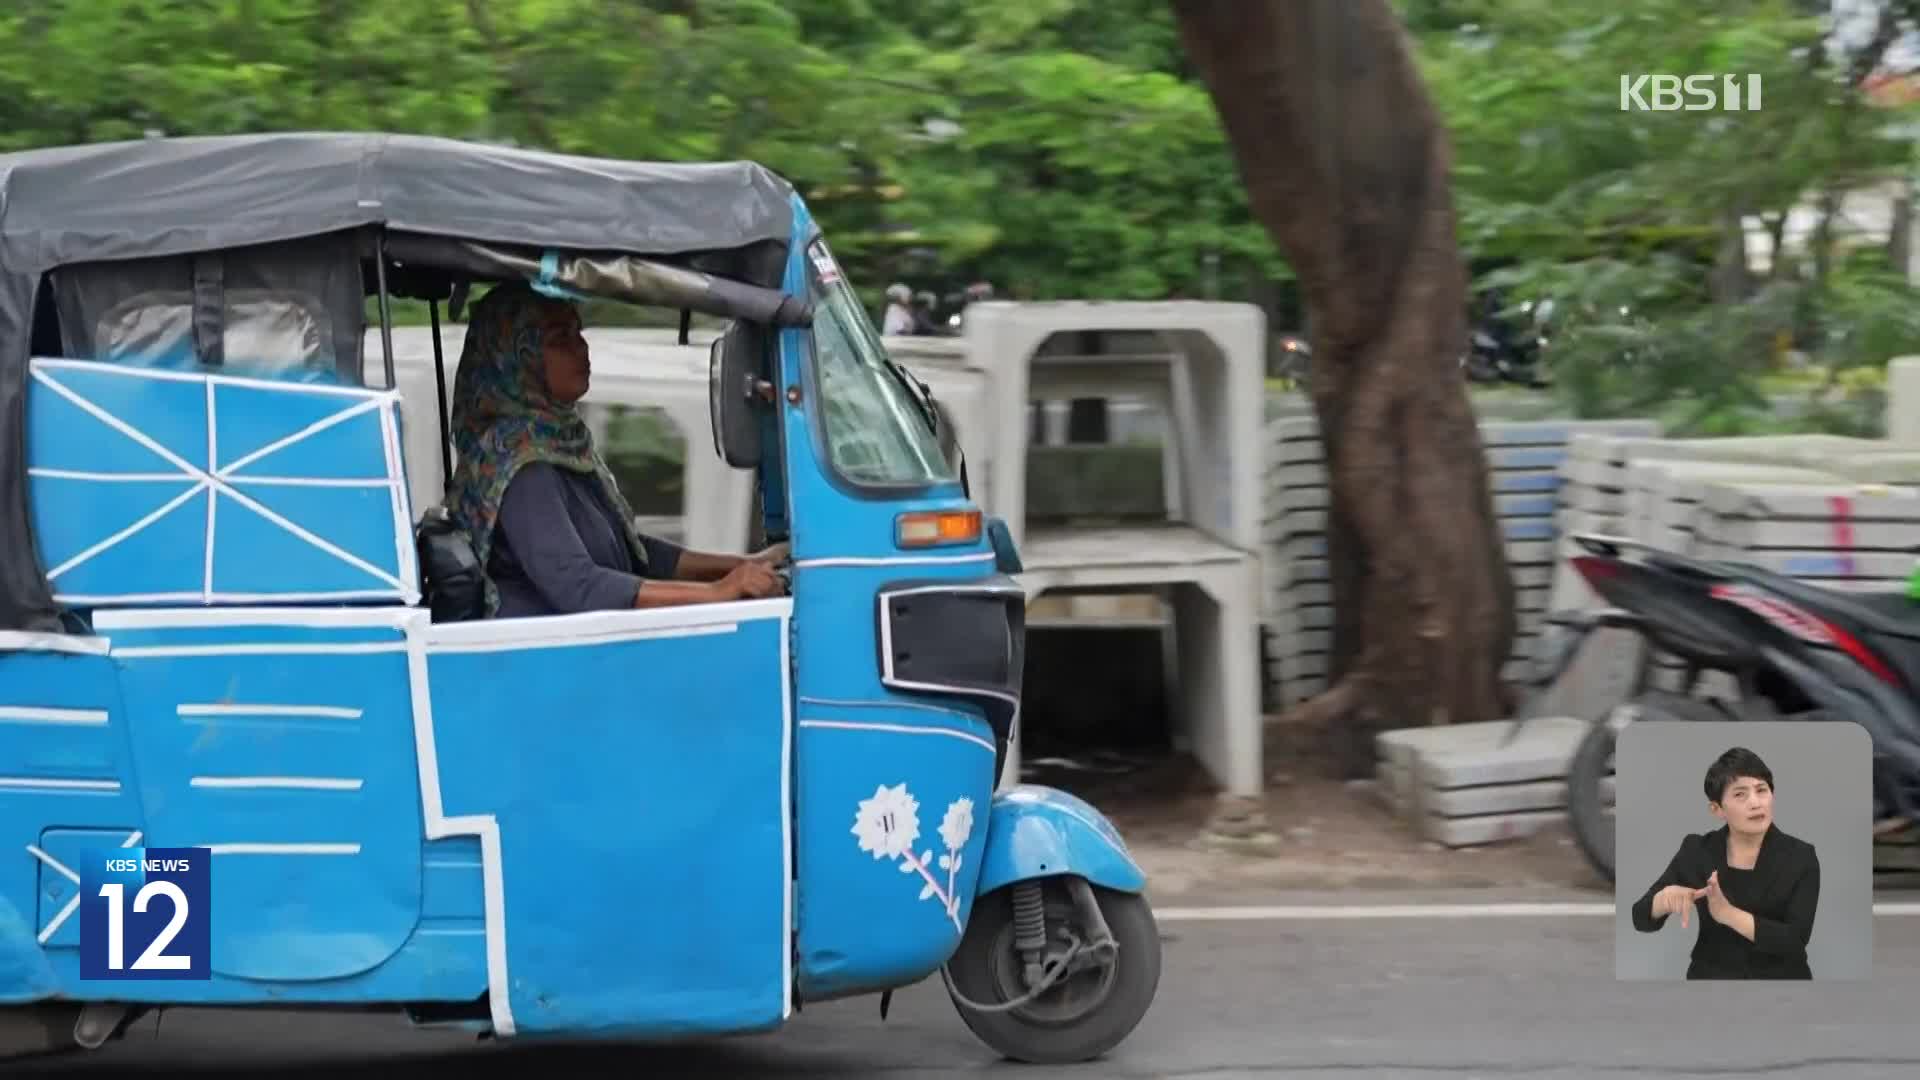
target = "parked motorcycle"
x: 1291, y: 361
x: 1500, y: 352
x: 1793, y: 651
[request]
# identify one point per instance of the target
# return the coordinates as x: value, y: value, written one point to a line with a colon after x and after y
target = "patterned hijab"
x: 503, y: 419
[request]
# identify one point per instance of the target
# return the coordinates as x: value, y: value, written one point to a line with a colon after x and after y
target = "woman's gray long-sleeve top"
x: 558, y: 547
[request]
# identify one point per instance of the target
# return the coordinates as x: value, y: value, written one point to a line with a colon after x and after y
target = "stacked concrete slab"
x: 1298, y: 606
x: 1834, y: 535
x: 1460, y: 785
x: 1836, y: 512
x: 1526, y: 460
x: 1651, y: 490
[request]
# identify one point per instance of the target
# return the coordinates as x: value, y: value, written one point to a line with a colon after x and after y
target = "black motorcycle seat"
x: 1888, y: 612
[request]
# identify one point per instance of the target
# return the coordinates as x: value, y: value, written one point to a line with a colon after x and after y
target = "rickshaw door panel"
x: 290, y: 752
x: 635, y: 765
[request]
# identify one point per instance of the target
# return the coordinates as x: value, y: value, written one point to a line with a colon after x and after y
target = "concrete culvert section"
x: 1138, y: 520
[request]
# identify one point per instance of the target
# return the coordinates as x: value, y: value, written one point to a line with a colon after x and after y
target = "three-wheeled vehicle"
x: 215, y: 631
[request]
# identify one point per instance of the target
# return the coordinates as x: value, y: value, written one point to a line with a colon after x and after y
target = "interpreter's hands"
x: 1718, y: 905
x: 1676, y: 898
x: 751, y: 580
x: 773, y: 555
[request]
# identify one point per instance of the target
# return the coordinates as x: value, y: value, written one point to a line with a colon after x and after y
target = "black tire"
x: 1587, y: 809
x: 1061, y: 1026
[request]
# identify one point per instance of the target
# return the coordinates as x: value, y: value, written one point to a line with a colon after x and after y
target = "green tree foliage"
x: 1061, y: 148
x: 1636, y: 221
x: 1077, y: 160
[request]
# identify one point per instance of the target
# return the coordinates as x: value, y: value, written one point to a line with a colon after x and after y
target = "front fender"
x: 24, y: 972
x: 1035, y: 831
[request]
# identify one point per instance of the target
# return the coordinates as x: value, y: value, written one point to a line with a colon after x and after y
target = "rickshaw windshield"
x: 876, y: 431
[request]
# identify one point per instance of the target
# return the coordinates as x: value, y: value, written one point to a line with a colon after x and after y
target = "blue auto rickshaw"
x: 224, y: 628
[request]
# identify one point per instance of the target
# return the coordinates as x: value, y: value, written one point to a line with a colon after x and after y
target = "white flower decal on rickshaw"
x: 888, y: 825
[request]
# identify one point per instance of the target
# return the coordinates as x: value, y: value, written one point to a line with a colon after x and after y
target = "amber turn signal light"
x: 931, y: 528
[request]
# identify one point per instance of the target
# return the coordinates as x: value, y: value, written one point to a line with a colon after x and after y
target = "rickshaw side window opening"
x: 264, y: 335
x: 876, y: 432
x: 289, y: 311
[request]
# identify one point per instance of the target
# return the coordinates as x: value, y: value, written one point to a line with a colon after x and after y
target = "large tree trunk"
x: 1346, y: 165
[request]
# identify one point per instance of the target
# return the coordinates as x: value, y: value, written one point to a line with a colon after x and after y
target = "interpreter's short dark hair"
x: 1732, y: 765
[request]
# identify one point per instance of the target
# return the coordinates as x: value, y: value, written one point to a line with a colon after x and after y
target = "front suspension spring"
x: 1029, y: 918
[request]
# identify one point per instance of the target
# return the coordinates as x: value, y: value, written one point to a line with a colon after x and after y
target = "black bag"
x: 451, y: 579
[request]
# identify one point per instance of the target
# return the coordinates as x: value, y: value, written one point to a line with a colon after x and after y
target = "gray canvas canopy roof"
x: 164, y: 196
x: 703, y: 237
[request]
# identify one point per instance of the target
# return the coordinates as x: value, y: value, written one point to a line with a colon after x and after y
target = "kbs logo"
x: 145, y: 913
x: 1695, y: 93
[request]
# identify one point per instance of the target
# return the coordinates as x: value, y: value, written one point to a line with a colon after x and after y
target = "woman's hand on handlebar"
x: 753, y: 579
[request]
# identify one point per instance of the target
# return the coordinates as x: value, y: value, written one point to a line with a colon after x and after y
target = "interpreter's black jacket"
x: 1781, y: 892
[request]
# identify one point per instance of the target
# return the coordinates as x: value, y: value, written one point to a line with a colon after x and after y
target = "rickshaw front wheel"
x: 1071, y: 1001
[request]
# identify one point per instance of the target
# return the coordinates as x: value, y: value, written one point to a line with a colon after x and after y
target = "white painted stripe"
x: 1339, y: 912
x: 58, y: 867
x: 900, y: 729
x: 125, y: 371
x: 410, y: 555
x: 787, y: 884
x: 35, y: 641
x: 27, y: 714
x: 36, y: 783
x: 437, y: 825
x: 112, y: 478
x: 307, y: 481
x: 557, y: 628
x: 337, y: 552
x: 227, y: 598
x: 287, y: 783
x: 360, y: 408
x: 86, y: 599
x: 330, y: 712
x: 403, y: 524
x: 213, y: 500
x: 281, y: 849
x: 956, y: 587
x: 167, y: 508
x: 851, y: 703
x: 116, y: 423
x: 216, y: 478
x: 346, y: 649
x: 528, y: 643
x: 389, y: 618
x: 887, y: 679
x: 73, y: 904
x: 902, y: 560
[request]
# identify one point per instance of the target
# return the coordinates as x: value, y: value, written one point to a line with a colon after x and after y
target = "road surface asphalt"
x: 1300, y: 991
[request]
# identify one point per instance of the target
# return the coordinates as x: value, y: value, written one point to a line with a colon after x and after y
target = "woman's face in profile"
x: 1747, y: 805
x: 564, y: 354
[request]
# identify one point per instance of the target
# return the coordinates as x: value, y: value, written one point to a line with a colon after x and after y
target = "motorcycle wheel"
x: 1083, y: 1016
x: 1590, y: 773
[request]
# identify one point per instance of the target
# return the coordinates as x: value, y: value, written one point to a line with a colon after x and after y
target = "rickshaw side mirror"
x: 735, y: 389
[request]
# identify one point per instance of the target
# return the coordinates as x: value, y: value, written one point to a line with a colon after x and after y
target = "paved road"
x: 1411, y: 995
